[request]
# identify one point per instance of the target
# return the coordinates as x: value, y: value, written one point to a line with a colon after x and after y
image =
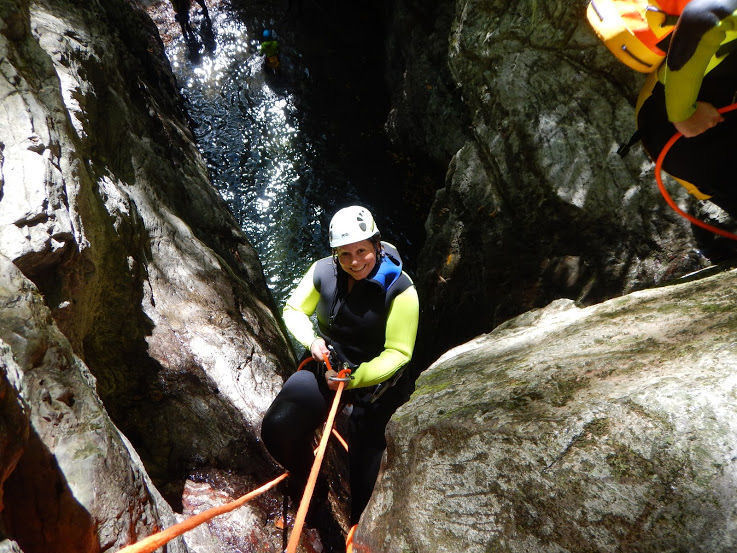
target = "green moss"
x: 565, y: 389
x: 88, y: 450
x: 730, y: 323
x: 431, y: 388
x: 628, y: 465
x: 717, y: 307
x: 597, y: 427
x: 436, y: 381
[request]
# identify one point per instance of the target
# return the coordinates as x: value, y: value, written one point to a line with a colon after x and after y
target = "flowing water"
x: 273, y: 157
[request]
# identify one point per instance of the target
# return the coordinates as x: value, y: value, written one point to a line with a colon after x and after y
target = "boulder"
x: 584, y: 429
x: 74, y: 483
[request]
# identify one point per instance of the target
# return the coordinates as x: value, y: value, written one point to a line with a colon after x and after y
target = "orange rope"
x: 304, y: 504
x: 349, y: 539
x: 669, y: 200
x: 340, y: 439
x: 154, y: 541
x: 304, y: 363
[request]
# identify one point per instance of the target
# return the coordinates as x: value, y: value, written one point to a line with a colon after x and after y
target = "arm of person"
x: 399, y: 342
x: 700, y: 31
x: 300, y: 305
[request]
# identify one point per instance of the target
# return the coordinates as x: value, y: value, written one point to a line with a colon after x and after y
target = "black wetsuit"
x: 354, y: 324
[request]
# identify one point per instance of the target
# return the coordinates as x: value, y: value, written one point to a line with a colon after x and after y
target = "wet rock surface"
x: 261, y: 526
x: 106, y: 206
x: 605, y: 428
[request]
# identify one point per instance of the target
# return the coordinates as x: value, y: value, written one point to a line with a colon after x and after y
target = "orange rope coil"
x: 669, y: 200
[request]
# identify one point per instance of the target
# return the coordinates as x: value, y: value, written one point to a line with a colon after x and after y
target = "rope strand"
x: 312, y: 479
x: 154, y: 541
x: 157, y: 540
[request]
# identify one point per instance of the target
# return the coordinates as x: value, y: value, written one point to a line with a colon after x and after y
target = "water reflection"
x: 286, y: 151
x: 258, y: 158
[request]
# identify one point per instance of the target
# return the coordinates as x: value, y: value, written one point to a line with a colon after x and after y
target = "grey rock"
x: 536, y: 204
x: 9, y: 546
x: 568, y: 429
x: 75, y: 486
x: 106, y: 206
x: 427, y: 117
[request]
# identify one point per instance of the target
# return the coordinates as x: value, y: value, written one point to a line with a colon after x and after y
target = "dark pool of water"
x: 284, y: 150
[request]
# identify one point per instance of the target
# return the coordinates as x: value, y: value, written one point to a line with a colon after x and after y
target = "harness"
x: 352, y: 396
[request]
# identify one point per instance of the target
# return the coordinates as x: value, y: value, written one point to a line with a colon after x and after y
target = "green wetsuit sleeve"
x: 399, y: 342
x: 701, y: 30
x: 269, y: 48
x: 300, y: 305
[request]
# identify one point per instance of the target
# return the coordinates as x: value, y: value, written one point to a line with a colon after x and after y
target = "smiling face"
x: 357, y: 259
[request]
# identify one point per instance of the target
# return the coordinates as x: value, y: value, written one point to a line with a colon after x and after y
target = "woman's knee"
x: 271, y: 427
x: 282, y: 424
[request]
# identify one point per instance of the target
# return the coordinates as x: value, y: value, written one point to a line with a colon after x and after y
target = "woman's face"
x: 357, y: 259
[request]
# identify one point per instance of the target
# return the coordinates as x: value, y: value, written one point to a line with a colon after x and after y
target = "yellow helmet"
x: 632, y: 29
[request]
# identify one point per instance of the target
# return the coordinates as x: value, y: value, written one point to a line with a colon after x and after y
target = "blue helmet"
x: 267, y: 34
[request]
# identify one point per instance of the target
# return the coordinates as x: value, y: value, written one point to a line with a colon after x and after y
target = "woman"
x: 367, y: 311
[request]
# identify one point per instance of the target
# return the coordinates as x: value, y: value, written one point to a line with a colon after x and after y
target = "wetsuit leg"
x: 367, y: 444
x: 705, y: 160
x: 288, y: 427
x: 367, y: 426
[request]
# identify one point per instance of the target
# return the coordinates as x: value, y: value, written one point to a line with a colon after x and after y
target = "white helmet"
x: 351, y: 224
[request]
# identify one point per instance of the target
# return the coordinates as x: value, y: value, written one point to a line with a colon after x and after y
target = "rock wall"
x: 72, y: 483
x: 598, y: 429
x: 525, y: 108
x: 106, y: 207
x: 427, y: 117
x: 14, y: 425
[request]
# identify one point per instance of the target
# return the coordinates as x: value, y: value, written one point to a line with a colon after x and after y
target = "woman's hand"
x: 705, y: 117
x: 319, y: 349
x: 332, y: 384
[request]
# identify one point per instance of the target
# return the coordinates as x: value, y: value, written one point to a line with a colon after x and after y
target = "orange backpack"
x: 632, y: 29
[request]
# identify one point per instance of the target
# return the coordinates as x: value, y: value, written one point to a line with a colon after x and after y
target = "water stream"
x: 280, y: 169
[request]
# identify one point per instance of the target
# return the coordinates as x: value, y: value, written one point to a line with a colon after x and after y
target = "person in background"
x: 699, y: 75
x: 181, y: 14
x: 367, y: 311
x: 270, y: 49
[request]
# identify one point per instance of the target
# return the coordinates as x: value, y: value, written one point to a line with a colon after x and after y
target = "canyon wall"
x: 147, y: 302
